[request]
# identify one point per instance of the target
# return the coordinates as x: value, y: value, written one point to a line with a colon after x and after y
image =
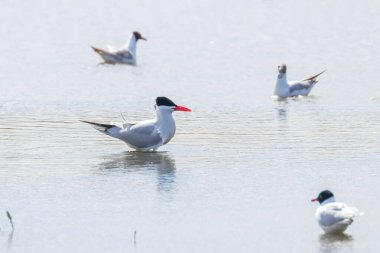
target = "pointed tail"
x: 97, y: 50
x: 314, y: 78
x: 98, y: 126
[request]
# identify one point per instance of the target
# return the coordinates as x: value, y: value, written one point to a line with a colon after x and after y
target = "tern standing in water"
x: 124, y: 55
x: 148, y: 134
x: 285, y: 88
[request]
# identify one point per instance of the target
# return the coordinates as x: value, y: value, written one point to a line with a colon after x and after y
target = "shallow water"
x: 242, y: 168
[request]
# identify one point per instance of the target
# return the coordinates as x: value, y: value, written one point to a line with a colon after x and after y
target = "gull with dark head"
x: 334, y: 217
x: 123, y: 55
x: 146, y: 135
x: 285, y: 88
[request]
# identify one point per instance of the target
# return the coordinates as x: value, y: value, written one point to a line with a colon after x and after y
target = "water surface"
x: 242, y: 168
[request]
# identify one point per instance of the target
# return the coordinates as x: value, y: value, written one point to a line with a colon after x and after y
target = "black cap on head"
x: 282, y: 68
x: 323, y: 196
x: 164, y: 101
x: 138, y: 36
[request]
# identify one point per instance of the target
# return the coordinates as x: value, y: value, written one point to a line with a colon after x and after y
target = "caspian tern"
x: 334, y: 217
x: 148, y: 134
x: 124, y: 55
x: 285, y: 88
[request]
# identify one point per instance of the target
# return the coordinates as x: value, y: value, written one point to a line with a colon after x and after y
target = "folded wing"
x: 141, y: 135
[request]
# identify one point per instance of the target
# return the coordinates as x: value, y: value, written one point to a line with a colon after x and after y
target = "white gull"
x: 123, y: 55
x: 334, y: 217
x: 285, y: 88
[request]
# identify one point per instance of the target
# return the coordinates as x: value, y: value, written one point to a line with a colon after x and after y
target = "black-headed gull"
x: 123, y: 55
x: 334, y: 217
x: 285, y: 88
x: 148, y: 134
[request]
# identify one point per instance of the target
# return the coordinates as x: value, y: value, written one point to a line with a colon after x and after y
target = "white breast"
x: 282, y: 87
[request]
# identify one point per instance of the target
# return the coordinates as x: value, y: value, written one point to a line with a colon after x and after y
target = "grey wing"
x: 143, y: 136
x: 124, y: 54
x: 119, y: 56
x: 334, y: 213
x: 127, y: 125
x: 300, y: 86
x: 346, y: 212
x: 314, y: 78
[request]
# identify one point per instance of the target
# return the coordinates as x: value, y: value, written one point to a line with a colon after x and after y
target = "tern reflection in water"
x: 331, y: 243
x: 132, y: 161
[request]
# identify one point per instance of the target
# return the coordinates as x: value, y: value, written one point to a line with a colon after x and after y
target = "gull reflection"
x: 282, y: 109
x: 331, y: 243
x: 133, y: 161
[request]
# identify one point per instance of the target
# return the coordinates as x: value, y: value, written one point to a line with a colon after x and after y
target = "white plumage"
x: 124, y: 55
x: 148, y: 134
x: 285, y: 88
x: 334, y: 217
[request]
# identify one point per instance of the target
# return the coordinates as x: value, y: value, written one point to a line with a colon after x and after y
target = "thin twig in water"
x: 134, y: 237
x: 10, y: 220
